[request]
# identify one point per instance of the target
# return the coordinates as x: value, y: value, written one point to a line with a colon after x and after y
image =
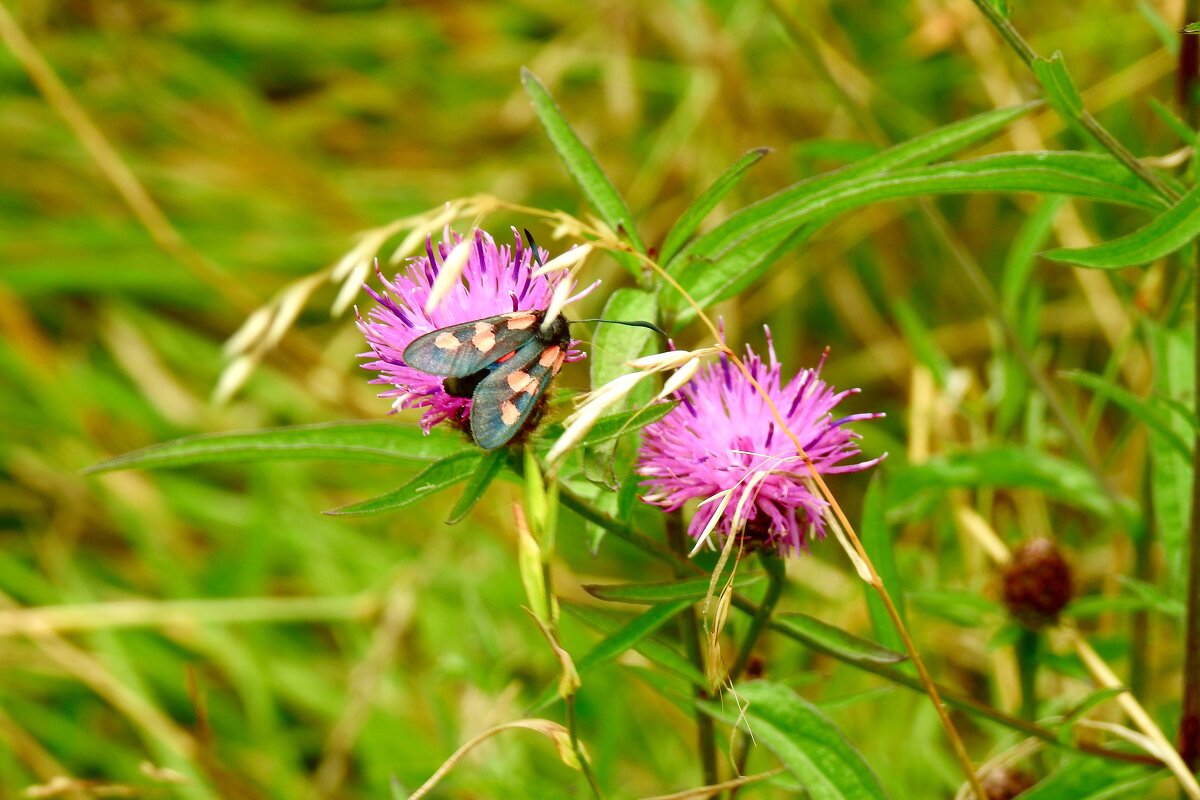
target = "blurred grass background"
x: 326, y: 656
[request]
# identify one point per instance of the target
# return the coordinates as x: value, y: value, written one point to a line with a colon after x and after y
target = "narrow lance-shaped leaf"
x: 808, y: 744
x: 693, y: 589
x: 923, y: 149
x: 1015, y: 467
x: 832, y: 639
x: 1052, y: 74
x: 485, y: 472
x: 1171, y: 471
x: 625, y: 638
x: 354, y: 441
x: 718, y: 263
x: 690, y: 220
x: 580, y: 162
x: 1136, y: 406
x: 1171, y: 230
x: 660, y: 654
x: 427, y: 482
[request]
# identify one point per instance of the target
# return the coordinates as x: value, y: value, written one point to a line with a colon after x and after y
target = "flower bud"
x: 1037, y: 583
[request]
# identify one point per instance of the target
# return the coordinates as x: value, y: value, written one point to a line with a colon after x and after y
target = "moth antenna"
x: 634, y: 324
x: 537, y: 258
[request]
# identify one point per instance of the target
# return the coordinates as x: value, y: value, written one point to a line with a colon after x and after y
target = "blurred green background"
x: 328, y: 655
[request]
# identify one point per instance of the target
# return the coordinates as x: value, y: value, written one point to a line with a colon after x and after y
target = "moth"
x: 502, y: 363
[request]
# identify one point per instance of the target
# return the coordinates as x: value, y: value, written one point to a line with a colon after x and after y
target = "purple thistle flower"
x: 721, y: 444
x: 495, y: 280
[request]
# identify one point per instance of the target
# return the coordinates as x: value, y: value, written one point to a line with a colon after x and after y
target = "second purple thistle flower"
x: 722, y: 446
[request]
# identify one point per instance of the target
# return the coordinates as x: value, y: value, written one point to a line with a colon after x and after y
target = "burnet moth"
x: 503, y: 363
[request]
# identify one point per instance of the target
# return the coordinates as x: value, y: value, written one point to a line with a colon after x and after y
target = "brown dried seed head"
x: 1037, y: 583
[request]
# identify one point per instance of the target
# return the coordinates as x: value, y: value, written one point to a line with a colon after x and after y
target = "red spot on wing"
x: 505, y: 357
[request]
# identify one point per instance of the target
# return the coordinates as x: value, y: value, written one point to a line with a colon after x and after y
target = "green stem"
x: 952, y: 697
x: 1140, y: 621
x: 584, y: 765
x: 1029, y: 645
x: 1089, y: 123
x: 1188, y: 73
x: 776, y: 578
x: 693, y: 640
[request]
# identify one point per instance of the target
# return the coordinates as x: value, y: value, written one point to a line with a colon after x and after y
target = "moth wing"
x: 460, y: 350
x: 505, y: 398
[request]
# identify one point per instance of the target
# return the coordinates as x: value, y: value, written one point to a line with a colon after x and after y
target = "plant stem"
x: 951, y: 696
x: 1188, y: 73
x: 1028, y: 644
x: 584, y: 765
x: 706, y: 741
x: 776, y: 577
x: 1089, y: 123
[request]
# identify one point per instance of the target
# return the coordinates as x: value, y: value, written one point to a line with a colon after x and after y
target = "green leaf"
x: 1170, y: 471
x: 690, y: 220
x: 968, y: 609
x: 615, y: 425
x: 1060, y: 89
x: 429, y: 481
x: 1153, y: 597
x: 692, y: 589
x: 1136, y: 406
x: 879, y: 544
x: 633, y: 635
x: 633, y: 632
x: 580, y: 162
x: 616, y: 344
x: 1191, y: 27
x: 353, y: 441
x: 1084, y: 778
x: 1171, y: 119
x: 1010, y: 467
x: 1171, y: 230
x: 727, y: 259
x: 830, y: 639
x: 920, y: 340
x: 922, y: 149
x: 661, y: 655
x: 611, y: 426
x: 485, y: 472
x: 811, y: 747
x: 1168, y: 37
